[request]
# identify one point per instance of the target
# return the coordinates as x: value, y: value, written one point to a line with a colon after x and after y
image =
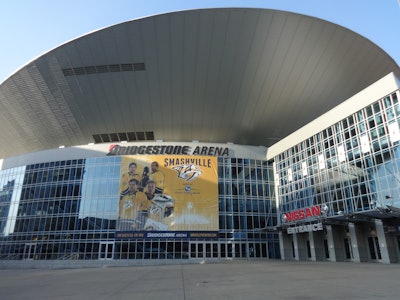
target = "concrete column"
x: 359, y: 241
x: 354, y: 242
x: 319, y: 245
x: 393, y: 247
x: 362, y: 240
x: 296, y: 247
x: 312, y: 239
x: 380, y: 233
x: 281, y: 246
x: 331, y: 243
x: 300, y: 246
x: 285, y: 244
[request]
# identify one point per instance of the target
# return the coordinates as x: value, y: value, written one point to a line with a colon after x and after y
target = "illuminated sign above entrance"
x: 301, y: 214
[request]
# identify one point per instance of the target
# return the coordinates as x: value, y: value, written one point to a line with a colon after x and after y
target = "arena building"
x: 206, y: 134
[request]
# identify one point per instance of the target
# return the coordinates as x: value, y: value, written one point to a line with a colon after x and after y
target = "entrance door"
x: 347, y: 248
x: 227, y: 250
x: 30, y: 250
x: 374, y: 249
x: 197, y: 250
x: 106, y: 250
x: 203, y: 250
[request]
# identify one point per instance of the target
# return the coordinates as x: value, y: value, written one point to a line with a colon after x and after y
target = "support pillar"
x: 312, y: 246
x: 285, y: 245
x: 359, y: 243
x: 380, y: 233
x: 331, y: 243
x: 300, y: 246
x: 296, y: 247
x: 354, y: 242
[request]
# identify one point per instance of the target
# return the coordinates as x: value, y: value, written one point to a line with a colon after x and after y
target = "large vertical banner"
x: 168, y: 194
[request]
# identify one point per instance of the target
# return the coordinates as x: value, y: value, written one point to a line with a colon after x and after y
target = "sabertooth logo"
x: 188, y: 172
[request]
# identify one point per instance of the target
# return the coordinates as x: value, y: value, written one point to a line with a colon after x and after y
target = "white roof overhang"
x: 246, y: 76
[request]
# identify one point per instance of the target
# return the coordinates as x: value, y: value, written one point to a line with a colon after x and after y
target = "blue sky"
x: 29, y: 28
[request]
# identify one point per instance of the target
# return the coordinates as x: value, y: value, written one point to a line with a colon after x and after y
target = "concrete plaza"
x: 263, y: 279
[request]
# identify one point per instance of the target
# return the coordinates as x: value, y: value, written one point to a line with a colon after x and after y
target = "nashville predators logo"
x: 188, y: 172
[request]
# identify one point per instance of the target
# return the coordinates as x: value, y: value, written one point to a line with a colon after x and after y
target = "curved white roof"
x: 247, y: 76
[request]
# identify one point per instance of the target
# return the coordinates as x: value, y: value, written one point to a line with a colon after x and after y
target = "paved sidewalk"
x: 264, y: 279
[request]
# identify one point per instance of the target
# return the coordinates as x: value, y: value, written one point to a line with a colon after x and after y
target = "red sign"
x: 304, y: 213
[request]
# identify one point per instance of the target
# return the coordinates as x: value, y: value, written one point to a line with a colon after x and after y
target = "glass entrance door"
x: 30, y: 250
x: 106, y: 250
x: 204, y: 250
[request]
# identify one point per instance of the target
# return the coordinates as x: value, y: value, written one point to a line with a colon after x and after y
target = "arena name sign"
x: 305, y: 228
x: 304, y: 213
x: 168, y: 150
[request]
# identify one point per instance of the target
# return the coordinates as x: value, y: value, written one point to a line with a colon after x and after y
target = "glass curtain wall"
x: 351, y: 166
x: 68, y: 210
x: 247, y: 208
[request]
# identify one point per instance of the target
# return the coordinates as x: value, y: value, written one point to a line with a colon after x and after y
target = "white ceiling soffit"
x: 247, y: 76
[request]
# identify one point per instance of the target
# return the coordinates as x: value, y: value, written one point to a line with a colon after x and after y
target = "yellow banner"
x: 178, y: 193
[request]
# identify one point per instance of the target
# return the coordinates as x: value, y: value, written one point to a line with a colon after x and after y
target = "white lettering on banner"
x: 305, y: 228
x: 164, y: 234
x: 167, y: 149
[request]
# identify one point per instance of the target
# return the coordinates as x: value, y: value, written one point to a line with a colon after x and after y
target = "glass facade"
x: 350, y: 168
x: 247, y: 207
x: 68, y: 210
